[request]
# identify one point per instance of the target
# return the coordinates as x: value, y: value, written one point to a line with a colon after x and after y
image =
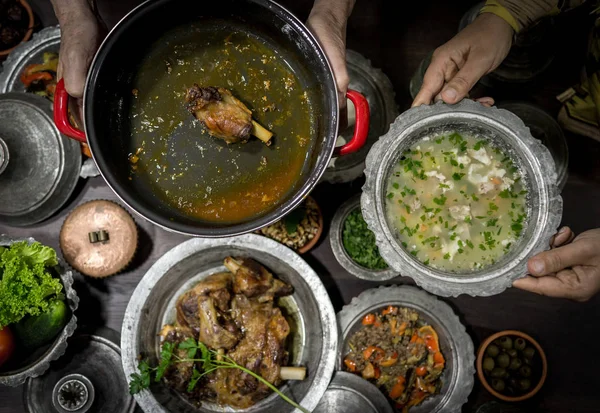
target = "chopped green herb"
x: 359, y: 242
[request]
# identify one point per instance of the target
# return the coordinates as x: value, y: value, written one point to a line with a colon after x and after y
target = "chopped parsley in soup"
x: 456, y: 203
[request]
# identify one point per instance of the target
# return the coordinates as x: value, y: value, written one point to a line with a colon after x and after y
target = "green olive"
x: 525, y: 371
x: 520, y: 343
x: 503, y: 360
x: 512, y: 353
x: 498, y: 372
x: 524, y: 384
x: 506, y: 342
x: 492, y: 350
x: 529, y: 352
x: 497, y: 342
x: 498, y: 385
x: 515, y: 364
x: 488, y: 364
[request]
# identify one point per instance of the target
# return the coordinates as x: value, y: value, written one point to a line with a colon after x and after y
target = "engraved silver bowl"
x: 510, y: 134
x: 313, y: 337
x: 38, y: 361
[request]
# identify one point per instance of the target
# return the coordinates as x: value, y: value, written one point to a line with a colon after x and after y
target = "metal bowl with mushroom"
x: 460, y: 197
x: 246, y: 300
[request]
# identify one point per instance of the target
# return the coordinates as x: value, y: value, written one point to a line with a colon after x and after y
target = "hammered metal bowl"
x: 38, y: 360
x: 313, y: 337
x: 510, y: 134
x: 456, y: 345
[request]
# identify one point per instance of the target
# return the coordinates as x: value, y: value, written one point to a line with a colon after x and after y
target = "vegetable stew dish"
x: 456, y: 203
x: 400, y: 353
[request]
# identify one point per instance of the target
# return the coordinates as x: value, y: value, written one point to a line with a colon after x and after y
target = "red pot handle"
x: 361, y: 125
x: 61, y: 113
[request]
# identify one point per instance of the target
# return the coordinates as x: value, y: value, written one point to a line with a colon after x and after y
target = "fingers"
x: 460, y: 85
x: 486, y: 101
x: 433, y: 81
x: 548, y: 286
x: 555, y: 260
x: 564, y: 236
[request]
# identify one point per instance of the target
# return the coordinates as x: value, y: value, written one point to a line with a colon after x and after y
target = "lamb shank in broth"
x: 235, y: 314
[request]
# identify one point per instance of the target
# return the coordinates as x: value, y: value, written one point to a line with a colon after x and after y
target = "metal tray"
x: 313, y: 341
x: 458, y: 377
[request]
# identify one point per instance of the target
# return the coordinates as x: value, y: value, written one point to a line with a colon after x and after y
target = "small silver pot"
x: 506, y: 131
x: 337, y: 246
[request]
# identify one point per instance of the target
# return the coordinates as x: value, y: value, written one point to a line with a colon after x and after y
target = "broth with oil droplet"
x: 200, y: 175
x: 456, y: 203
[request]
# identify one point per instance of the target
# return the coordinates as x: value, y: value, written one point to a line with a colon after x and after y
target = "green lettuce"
x: 26, y: 286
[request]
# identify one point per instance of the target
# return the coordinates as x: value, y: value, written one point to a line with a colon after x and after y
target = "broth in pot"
x: 200, y: 175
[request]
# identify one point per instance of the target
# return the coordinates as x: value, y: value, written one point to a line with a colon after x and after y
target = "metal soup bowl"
x: 456, y: 345
x: 312, y: 341
x: 506, y: 131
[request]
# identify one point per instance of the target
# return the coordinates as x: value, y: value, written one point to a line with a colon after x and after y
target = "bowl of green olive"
x: 511, y: 365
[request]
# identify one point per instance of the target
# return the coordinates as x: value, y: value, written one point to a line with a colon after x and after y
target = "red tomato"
x: 7, y: 344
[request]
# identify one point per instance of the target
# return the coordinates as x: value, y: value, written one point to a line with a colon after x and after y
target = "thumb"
x: 558, y: 259
x: 460, y: 85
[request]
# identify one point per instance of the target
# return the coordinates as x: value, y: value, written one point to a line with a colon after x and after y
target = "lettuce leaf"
x: 26, y: 286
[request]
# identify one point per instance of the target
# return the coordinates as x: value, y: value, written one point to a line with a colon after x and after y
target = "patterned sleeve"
x: 522, y: 13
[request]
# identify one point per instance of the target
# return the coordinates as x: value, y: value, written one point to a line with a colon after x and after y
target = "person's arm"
x: 81, y: 34
x: 328, y: 20
x: 480, y: 47
x: 568, y: 270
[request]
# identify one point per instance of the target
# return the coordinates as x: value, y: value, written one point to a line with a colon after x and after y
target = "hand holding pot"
x: 82, y: 32
x: 459, y: 64
x: 569, y: 270
x: 327, y: 21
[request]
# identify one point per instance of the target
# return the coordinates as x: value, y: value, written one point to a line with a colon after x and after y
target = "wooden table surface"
x: 396, y: 42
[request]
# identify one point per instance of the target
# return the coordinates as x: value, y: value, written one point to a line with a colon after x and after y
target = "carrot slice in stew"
x: 373, y: 349
x: 421, y: 371
x: 390, y: 310
x: 350, y: 364
x: 368, y: 319
x: 398, y: 389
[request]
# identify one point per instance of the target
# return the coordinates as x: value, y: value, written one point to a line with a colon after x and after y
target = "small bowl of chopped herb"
x: 299, y: 230
x: 353, y: 244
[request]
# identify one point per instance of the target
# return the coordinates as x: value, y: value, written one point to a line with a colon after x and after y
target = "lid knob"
x: 73, y: 393
x: 3, y: 156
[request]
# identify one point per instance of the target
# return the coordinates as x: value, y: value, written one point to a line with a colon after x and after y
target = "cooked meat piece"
x: 224, y: 115
x: 279, y: 289
x: 179, y: 374
x: 254, y: 280
x: 250, y: 278
x: 216, y: 329
x: 216, y: 285
x: 262, y: 350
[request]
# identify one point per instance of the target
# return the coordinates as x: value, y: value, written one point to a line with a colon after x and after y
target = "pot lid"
x: 348, y: 392
x: 89, y: 378
x: 99, y: 238
x: 379, y: 92
x: 41, y: 165
x: 545, y: 128
x: 46, y: 40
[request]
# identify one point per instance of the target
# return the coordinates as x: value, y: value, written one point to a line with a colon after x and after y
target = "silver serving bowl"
x: 339, y: 251
x: 38, y: 360
x: 313, y: 337
x: 456, y: 345
x: 506, y: 131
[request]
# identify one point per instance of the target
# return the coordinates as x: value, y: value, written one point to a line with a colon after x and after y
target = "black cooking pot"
x: 108, y: 95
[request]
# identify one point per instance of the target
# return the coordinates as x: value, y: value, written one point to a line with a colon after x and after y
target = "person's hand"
x: 327, y: 21
x: 459, y: 64
x: 568, y: 270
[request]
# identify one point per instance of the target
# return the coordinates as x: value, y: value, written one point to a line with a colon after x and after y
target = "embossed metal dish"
x: 337, y: 246
x: 348, y: 392
x: 30, y: 52
x: 508, y: 132
x: 39, y: 359
x: 313, y: 340
x: 457, y: 347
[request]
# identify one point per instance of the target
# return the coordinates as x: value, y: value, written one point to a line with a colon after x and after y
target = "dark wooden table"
x: 396, y: 42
